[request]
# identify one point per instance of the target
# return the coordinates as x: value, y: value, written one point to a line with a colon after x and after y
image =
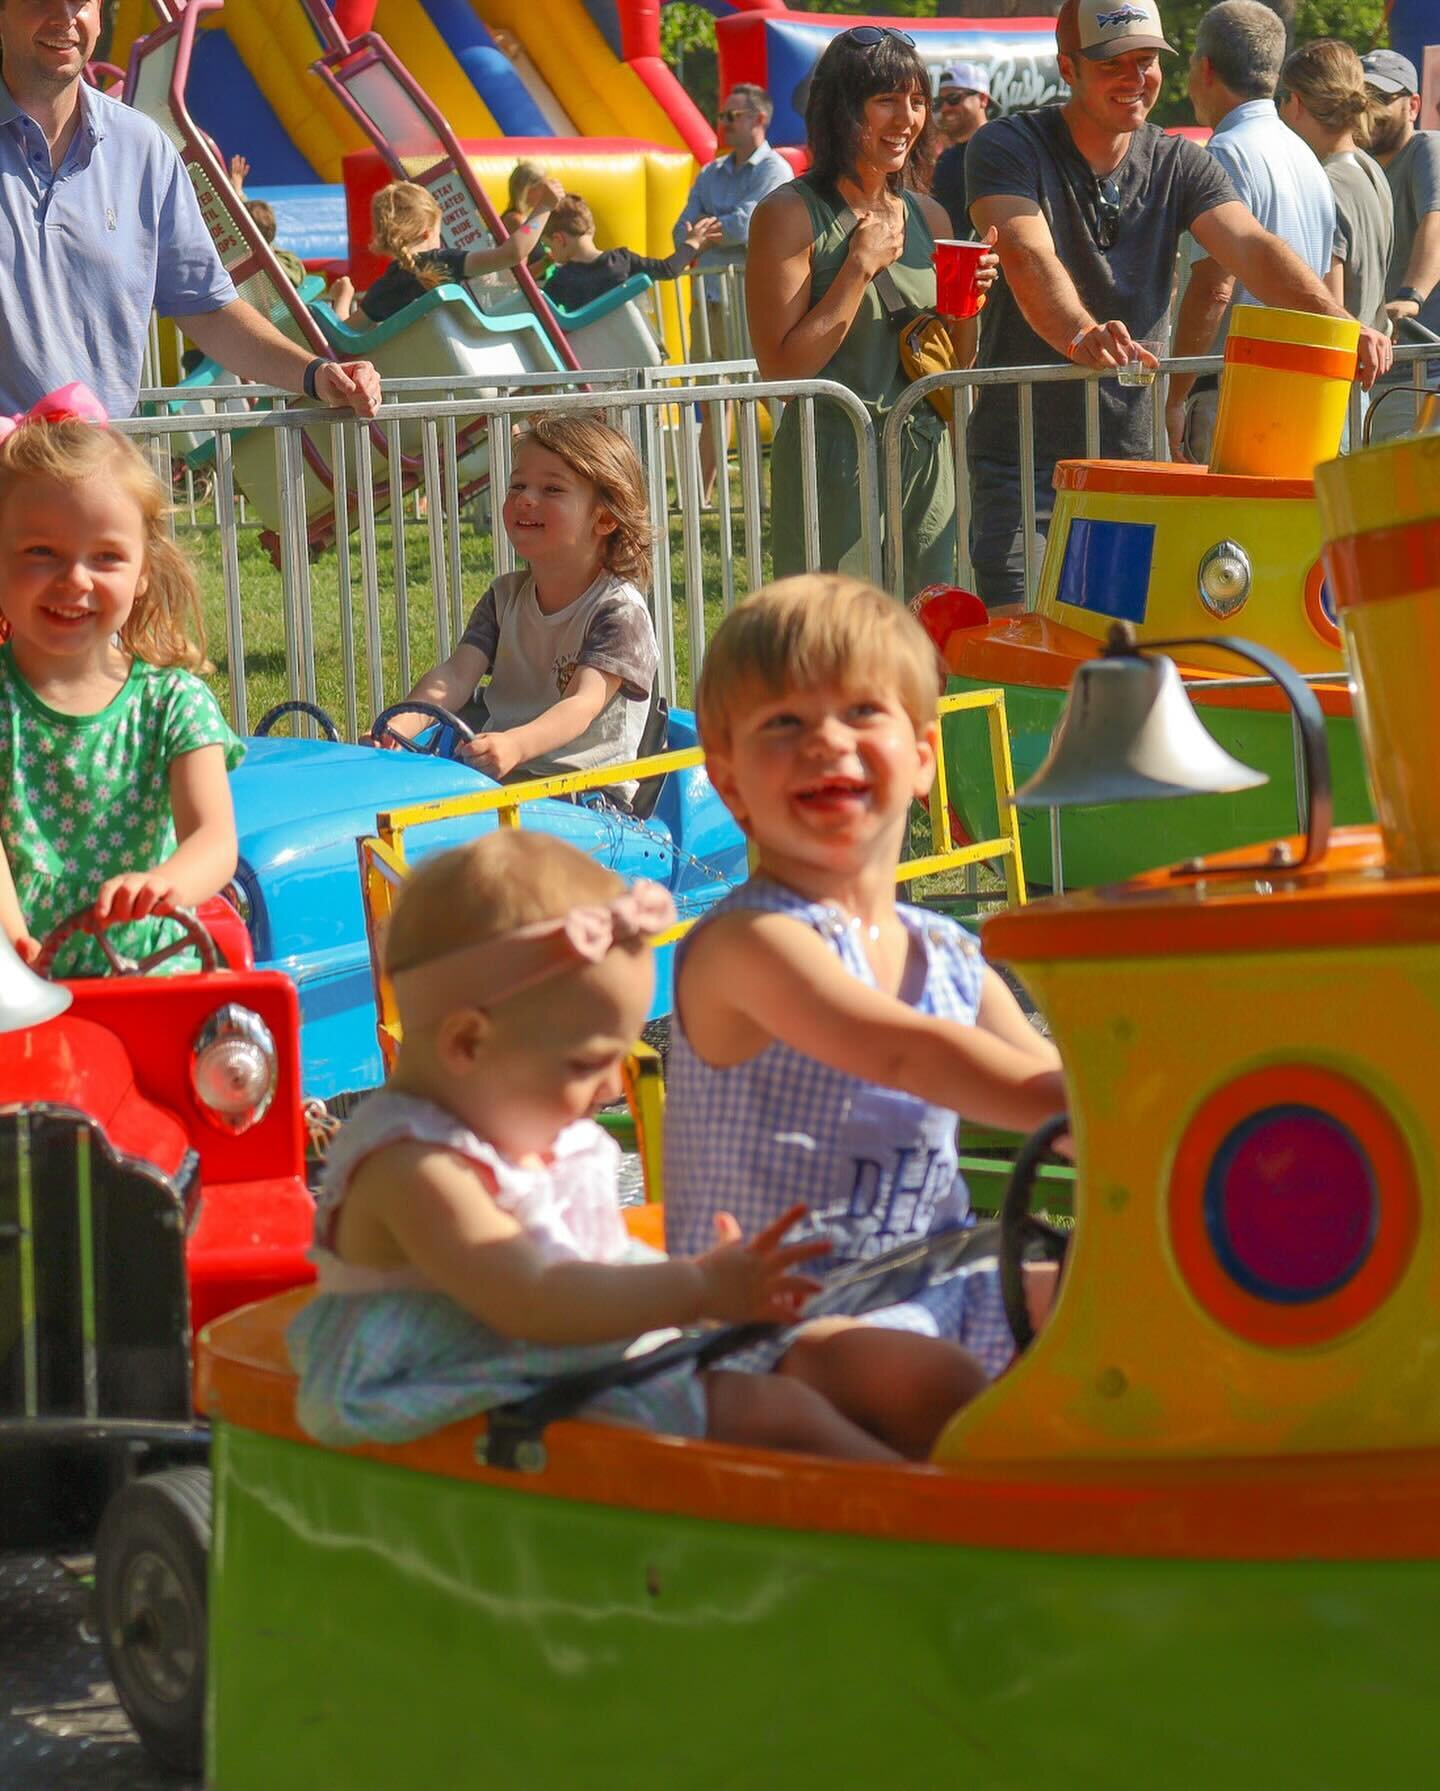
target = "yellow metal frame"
x: 1007, y: 846
x: 383, y: 869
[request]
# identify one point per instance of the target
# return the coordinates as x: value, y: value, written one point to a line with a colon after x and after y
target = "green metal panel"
x: 382, y: 1630
x: 1103, y: 845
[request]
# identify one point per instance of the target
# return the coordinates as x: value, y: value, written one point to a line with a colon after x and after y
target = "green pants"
x: 927, y: 489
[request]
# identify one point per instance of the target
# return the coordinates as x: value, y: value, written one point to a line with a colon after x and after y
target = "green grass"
x: 263, y: 611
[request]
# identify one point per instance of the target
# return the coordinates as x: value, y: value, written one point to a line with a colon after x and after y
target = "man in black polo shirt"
x: 1090, y: 202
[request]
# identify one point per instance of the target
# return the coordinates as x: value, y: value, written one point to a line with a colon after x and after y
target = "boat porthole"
x: 1320, y: 605
x: 1293, y: 1206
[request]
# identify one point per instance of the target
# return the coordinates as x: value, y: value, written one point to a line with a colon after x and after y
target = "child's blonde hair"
x: 402, y: 215
x: 509, y: 879
x: 607, y: 459
x: 1329, y: 80
x: 523, y: 176
x: 165, y: 626
x: 819, y: 628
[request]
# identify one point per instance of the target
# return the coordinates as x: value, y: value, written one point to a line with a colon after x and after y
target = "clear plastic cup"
x: 1137, y: 372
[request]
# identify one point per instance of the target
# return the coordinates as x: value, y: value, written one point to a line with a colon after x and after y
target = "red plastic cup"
x: 956, y: 265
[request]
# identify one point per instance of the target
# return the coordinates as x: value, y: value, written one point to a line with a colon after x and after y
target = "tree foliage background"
x: 687, y: 34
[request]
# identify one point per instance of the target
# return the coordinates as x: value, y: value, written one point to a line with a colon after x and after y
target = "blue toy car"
x: 301, y: 806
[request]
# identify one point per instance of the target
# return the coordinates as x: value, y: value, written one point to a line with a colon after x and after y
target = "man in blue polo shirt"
x: 99, y: 225
x: 1239, y: 49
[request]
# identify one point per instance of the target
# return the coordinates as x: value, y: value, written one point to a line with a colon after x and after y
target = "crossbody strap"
x: 896, y: 307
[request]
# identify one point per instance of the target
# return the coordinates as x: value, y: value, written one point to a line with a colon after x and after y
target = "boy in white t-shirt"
x: 568, y: 643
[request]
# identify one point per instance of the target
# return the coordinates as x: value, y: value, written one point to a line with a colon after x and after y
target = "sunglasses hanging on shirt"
x: 1107, y: 213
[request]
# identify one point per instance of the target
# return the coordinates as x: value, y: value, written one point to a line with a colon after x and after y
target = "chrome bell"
x: 26, y: 999
x: 1129, y: 732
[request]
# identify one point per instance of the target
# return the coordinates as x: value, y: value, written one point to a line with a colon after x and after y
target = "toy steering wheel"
x: 380, y: 728
x: 1019, y: 1228
x: 194, y: 934
x: 296, y: 707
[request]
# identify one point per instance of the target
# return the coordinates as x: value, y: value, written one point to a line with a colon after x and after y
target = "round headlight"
x: 1224, y: 578
x: 233, y: 1068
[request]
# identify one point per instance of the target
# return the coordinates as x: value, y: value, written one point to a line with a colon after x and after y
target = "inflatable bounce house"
x: 577, y: 85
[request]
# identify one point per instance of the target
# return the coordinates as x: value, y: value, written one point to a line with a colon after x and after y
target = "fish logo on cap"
x: 1124, y: 15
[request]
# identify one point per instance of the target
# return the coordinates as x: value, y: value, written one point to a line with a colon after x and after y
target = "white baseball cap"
x: 973, y: 77
x: 1100, y: 29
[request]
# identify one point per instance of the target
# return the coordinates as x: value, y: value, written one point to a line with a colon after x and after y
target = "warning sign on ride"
x: 230, y: 245
x: 461, y: 226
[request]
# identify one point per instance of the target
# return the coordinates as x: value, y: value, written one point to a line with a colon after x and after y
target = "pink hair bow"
x: 486, y: 974
x: 74, y: 403
x: 645, y: 909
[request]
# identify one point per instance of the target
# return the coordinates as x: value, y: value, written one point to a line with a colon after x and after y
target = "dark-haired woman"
x: 816, y: 246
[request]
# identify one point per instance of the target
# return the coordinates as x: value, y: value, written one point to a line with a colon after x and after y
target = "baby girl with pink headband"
x: 469, y: 1242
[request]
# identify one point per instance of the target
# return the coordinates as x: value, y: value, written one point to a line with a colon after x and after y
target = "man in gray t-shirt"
x: 1411, y: 160
x: 1090, y: 202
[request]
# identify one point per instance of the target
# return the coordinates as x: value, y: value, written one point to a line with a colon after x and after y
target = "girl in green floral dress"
x: 113, y: 755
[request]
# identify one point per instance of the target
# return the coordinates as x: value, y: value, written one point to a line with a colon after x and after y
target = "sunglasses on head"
x: 1107, y: 213
x: 867, y: 36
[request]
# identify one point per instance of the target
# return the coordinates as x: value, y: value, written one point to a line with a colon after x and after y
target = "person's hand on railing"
x: 350, y: 385
x: 1108, y: 345
x: 1376, y: 355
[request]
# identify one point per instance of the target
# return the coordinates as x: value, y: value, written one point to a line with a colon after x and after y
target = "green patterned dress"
x: 87, y: 797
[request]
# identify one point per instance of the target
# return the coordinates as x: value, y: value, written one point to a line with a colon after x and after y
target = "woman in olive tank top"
x: 816, y: 246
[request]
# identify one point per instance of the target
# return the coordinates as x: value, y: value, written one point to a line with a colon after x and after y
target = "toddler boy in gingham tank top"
x: 826, y: 1038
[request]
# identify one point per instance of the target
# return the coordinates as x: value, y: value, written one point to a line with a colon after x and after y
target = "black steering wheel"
x: 267, y: 721
x: 514, y: 1430
x: 380, y: 728
x: 194, y: 934
x: 1022, y: 1231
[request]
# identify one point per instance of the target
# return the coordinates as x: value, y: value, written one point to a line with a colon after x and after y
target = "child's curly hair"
x: 605, y: 458
x: 402, y: 215
x: 165, y: 627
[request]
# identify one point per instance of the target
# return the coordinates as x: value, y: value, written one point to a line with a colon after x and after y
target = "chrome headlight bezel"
x: 1224, y: 579
x: 244, y: 1036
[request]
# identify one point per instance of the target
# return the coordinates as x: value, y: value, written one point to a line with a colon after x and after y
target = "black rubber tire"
x: 151, y: 1558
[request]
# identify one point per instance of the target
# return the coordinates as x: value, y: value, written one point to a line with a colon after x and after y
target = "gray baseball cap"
x: 1387, y: 71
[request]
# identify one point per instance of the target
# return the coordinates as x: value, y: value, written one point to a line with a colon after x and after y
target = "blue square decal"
x: 1107, y: 567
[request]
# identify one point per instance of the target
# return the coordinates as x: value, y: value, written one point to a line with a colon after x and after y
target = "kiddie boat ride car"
x: 1184, y: 1541
x: 1177, y: 549
x: 152, y: 1160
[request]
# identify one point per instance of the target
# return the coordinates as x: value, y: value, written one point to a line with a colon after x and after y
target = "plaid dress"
x: 875, y: 1166
x: 383, y: 1356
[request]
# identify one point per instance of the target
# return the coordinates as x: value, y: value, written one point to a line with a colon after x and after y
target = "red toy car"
x: 152, y: 1177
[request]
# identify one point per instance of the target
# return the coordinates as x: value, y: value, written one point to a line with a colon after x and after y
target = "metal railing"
x: 381, y: 534
x: 965, y: 382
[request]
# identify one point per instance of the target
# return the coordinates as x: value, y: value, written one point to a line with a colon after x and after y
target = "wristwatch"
x: 310, y: 375
x: 1415, y: 298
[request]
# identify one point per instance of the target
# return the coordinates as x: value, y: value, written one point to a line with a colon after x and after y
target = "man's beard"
x: 1387, y: 132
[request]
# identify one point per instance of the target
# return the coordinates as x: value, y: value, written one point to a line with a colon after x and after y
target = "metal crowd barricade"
x: 330, y: 589
x: 965, y: 382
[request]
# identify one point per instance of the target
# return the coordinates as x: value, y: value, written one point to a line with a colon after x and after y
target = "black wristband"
x: 1409, y: 292
x: 311, y: 374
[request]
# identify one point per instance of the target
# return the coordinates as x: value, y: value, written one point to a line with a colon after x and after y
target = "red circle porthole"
x: 1320, y: 605
x: 1293, y: 1206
